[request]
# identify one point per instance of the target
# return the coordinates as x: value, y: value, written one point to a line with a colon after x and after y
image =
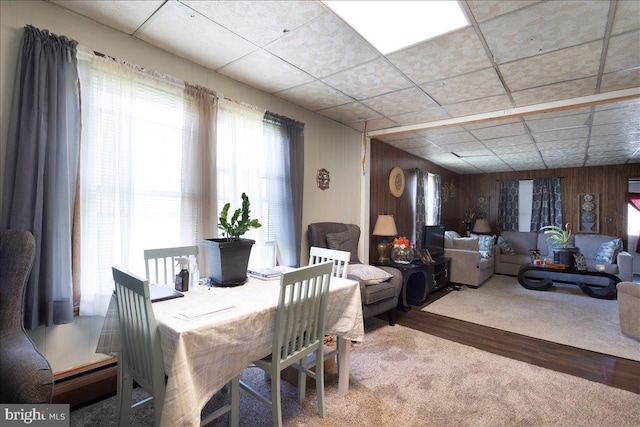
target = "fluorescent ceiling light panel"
x: 392, y: 25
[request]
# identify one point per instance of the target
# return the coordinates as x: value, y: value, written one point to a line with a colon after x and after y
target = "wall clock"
x: 323, y: 179
x: 396, y: 181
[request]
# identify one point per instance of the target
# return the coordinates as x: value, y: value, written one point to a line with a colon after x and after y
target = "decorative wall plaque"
x: 323, y: 179
x: 396, y: 181
x: 589, y: 213
x: 482, y: 207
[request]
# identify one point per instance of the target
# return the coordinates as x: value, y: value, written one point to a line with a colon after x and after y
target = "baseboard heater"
x: 86, y: 383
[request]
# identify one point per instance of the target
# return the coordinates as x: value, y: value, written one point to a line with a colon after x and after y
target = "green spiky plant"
x: 239, y: 223
x: 557, y: 235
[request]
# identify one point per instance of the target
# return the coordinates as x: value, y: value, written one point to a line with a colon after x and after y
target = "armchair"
x: 469, y: 266
x: 377, y: 296
x: 25, y: 374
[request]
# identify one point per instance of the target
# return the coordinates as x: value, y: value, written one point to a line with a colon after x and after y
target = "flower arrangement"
x: 402, y: 243
x: 469, y: 216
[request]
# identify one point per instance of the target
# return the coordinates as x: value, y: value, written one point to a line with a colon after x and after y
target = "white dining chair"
x: 298, y: 332
x: 141, y: 358
x: 340, y: 259
x: 161, y: 264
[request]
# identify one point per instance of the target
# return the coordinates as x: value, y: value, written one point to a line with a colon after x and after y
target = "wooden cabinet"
x: 419, y: 280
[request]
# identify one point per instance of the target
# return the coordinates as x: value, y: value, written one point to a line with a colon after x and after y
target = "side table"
x: 418, y: 280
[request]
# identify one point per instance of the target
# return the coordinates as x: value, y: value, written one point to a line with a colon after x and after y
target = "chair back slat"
x: 160, y: 264
x: 141, y: 349
x: 340, y: 259
x: 301, y: 308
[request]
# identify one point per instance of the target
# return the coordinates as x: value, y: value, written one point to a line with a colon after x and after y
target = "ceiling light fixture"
x: 393, y: 25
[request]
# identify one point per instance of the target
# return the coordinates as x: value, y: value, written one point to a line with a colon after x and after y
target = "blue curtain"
x: 420, y: 208
x: 508, y: 206
x: 547, y: 203
x: 290, y: 243
x: 41, y: 168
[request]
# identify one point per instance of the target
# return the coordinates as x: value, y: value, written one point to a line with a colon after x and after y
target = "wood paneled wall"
x: 611, y: 182
x: 385, y: 157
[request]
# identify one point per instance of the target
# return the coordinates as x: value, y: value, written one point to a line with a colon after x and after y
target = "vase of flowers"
x: 402, y: 251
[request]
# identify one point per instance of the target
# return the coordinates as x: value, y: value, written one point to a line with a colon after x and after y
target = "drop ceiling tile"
x: 466, y: 149
x: 349, y: 113
x: 477, y: 106
x: 629, y: 128
x: 122, y: 16
x: 551, y: 148
x: 323, y: 47
x: 544, y: 27
x: 367, y: 80
x: 617, y: 141
x: 452, y: 54
x: 416, y: 143
x: 423, y: 116
x: 626, y: 18
x: 483, y: 10
x: 478, y: 84
x: 374, y: 124
x: 620, y: 80
x: 558, y: 120
x: 600, y: 161
x: 561, y: 136
x: 617, y: 115
x: 504, y: 131
x: 555, y: 92
x: 628, y: 103
x: 400, y: 102
x: 260, y: 22
x: 562, y: 65
x: 179, y: 30
x: 623, y: 52
x: 314, y: 96
x: 275, y: 74
x: 509, y: 144
x: 441, y: 139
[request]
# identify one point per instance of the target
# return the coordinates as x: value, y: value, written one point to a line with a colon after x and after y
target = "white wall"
x: 328, y: 144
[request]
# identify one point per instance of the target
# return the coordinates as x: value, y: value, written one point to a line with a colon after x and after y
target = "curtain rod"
x: 529, y: 179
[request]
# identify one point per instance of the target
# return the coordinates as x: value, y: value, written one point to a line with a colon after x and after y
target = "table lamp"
x: 482, y: 226
x: 385, y: 227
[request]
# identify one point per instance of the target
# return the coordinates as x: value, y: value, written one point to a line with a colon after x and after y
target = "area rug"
x: 563, y: 314
x: 403, y: 377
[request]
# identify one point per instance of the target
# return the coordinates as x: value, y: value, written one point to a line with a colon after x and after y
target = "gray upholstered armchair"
x: 377, y: 298
x: 25, y: 374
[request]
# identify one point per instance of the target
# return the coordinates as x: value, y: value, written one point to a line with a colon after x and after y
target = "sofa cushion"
x: 505, y: 246
x: 343, y: 242
x: 589, y: 244
x: 377, y: 292
x: 522, y: 241
x: 467, y: 243
x: 485, y: 244
x: 367, y: 274
x: 608, y: 251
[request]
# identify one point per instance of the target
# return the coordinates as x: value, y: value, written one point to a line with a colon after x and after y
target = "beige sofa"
x: 469, y: 266
x: 589, y: 244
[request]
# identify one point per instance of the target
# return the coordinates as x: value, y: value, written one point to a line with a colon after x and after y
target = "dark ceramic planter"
x: 228, y: 260
x: 565, y: 255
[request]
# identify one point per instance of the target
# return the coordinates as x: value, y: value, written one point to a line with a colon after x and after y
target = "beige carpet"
x: 563, y: 314
x: 403, y: 377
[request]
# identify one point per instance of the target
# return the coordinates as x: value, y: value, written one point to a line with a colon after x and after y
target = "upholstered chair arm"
x: 396, y: 280
x: 625, y: 266
x: 461, y: 258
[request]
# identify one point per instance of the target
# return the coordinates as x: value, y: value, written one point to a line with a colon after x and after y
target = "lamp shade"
x: 385, y: 226
x: 482, y: 226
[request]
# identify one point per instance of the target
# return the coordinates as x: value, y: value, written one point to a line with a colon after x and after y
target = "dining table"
x: 212, y: 334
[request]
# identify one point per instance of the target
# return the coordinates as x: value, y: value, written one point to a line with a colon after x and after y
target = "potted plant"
x: 563, y: 252
x: 228, y: 256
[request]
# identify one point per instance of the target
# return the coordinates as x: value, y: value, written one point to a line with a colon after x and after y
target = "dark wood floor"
x: 610, y: 370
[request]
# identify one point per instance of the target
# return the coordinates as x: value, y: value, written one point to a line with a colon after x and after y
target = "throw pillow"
x: 608, y: 251
x: 485, y: 244
x: 343, y: 242
x: 367, y: 274
x: 466, y: 243
x: 505, y: 246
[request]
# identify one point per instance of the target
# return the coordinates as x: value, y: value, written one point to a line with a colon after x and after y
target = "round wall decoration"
x: 396, y: 181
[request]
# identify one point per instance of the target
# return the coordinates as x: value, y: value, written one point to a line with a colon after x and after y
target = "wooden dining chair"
x: 161, y: 265
x: 298, y: 332
x: 340, y: 259
x: 141, y: 357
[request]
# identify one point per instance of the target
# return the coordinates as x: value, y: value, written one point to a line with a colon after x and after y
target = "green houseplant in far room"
x: 228, y: 256
x: 563, y: 253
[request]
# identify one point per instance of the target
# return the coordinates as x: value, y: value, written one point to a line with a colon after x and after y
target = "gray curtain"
x: 508, y: 206
x: 293, y: 132
x: 547, y: 203
x: 420, y: 208
x: 41, y: 167
x: 437, y: 198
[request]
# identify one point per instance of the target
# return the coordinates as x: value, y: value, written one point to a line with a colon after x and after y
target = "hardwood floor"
x: 610, y: 370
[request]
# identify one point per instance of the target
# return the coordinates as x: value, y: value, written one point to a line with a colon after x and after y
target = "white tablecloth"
x: 204, y: 353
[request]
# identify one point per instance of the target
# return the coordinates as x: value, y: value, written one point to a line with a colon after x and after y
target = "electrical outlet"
x: 608, y: 219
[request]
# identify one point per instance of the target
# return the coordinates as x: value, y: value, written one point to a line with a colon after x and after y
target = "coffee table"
x: 596, y: 284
